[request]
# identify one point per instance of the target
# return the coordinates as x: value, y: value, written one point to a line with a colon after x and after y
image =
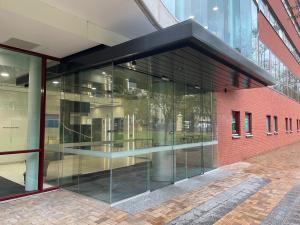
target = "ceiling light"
x: 55, y: 82
x: 93, y: 88
x: 191, y: 17
x: 165, y: 79
x: 4, y: 74
x: 197, y: 87
x: 215, y: 8
x: 103, y: 72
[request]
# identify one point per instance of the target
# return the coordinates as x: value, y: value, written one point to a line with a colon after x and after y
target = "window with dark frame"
x: 291, y: 125
x: 235, y: 123
x: 268, y: 124
x: 248, y: 123
x: 275, y: 124
x: 286, y: 124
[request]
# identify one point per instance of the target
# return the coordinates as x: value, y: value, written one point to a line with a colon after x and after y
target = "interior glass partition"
x: 129, y: 128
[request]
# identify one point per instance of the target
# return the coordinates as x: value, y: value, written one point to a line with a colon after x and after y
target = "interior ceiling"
x: 122, y: 17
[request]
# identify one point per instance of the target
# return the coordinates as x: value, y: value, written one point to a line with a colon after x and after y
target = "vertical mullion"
x: 42, y: 125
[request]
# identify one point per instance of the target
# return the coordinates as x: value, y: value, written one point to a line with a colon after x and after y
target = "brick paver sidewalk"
x: 262, y: 190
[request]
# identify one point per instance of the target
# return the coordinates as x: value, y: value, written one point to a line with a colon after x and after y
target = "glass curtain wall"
x: 20, y: 98
x: 233, y: 21
x: 286, y: 81
x: 115, y: 132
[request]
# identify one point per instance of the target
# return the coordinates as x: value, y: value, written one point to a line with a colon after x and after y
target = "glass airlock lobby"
x: 117, y: 132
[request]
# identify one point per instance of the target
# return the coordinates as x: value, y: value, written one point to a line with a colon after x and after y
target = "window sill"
x: 291, y: 132
x: 269, y: 134
x: 275, y: 132
x: 249, y: 135
x: 236, y: 136
x: 287, y: 132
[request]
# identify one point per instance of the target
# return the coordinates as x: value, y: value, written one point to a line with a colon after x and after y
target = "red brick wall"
x: 260, y: 102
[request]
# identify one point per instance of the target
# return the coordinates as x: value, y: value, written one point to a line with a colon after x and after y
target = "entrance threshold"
x: 148, y: 200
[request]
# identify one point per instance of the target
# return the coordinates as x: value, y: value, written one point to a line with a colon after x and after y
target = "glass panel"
x: 197, y: 123
x: 180, y: 134
x: 162, y: 132
x: 129, y: 176
x: 161, y: 169
x: 17, y: 175
x: 94, y: 177
x: 88, y: 175
x: 20, y: 91
x: 208, y: 132
x: 80, y: 130
x: 209, y: 157
x: 181, y: 164
x: 53, y: 147
x: 131, y: 110
x: 195, y: 161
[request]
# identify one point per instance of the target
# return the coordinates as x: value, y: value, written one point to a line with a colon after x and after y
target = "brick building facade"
x: 261, y: 102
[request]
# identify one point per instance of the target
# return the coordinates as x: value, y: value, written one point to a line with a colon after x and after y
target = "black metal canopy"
x: 183, y: 50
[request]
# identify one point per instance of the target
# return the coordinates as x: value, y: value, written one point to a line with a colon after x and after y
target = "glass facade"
x: 20, y: 97
x: 233, y: 21
x: 116, y: 132
x: 286, y: 81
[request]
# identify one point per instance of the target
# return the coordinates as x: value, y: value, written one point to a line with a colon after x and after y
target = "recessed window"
x: 286, y: 124
x: 248, y: 123
x: 291, y: 124
x: 268, y: 124
x: 236, y: 123
x: 275, y: 124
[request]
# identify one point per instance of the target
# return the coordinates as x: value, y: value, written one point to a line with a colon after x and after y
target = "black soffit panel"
x: 185, y: 51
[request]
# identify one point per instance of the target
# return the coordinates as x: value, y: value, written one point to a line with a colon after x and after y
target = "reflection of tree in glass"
x: 161, y: 103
